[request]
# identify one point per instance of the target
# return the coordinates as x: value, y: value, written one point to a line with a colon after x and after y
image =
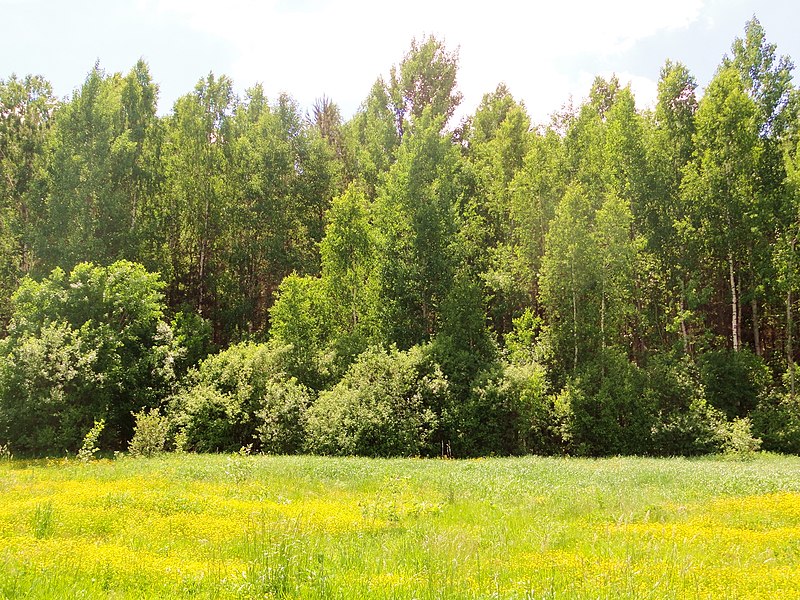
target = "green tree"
x: 415, y: 218
x: 26, y: 106
x: 100, y: 171
x: 719, y: 183
x: 424, y: 81
x: 665, y: 216
x: 197, y: 162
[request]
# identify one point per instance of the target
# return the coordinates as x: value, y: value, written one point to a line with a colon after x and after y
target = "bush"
x: 91, y: 344
x: 733, y: 380
x: 508, y: 412
x: 89, y: 447
x: 606, y: 409
x: 776, y: 421
x: 689, y: 432
x: 239, y: 397
x: 387, y: 404
x: 735, y: 438
x: 47, y: 390
x: 281, y: 416
x: 149, y: 433
x: 686, y: 423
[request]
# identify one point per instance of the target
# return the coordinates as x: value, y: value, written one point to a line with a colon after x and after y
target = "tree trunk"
x: 734, y: 304
x: 789, y: 349
x: 574, y: 320
x: 603, y: 316
x: 684, y: 332
x: 756, y: 331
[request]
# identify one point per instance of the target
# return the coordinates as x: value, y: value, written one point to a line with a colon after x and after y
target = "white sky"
x: 544, y: 51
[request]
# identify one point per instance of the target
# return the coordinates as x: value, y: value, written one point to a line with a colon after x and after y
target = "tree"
x: 348, y: 270
x: 497, y: 141
x: 100, y: 172
x: 26, y: 107
x: 415, y: 217
x: 720, y: 181
x: 665, y: 218
x: 197, y: 162
x: 424, y: 81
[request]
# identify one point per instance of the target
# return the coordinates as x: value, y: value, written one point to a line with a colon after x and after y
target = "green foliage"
x: 150, y: 433
x: 736, y: 438
x: 733, y: 380
x: 570, y: 286
x: 193, y: 334
x: 776, y: 421
x: 606, y: 408
x: 463, y: 346
x: 415, y: 219
x: 240, y: 397
x: 301, y: 320
x: 509, y: 411
x: 81, y: 346
x: 387, y: 404
x: 282, y: 417
x: 89, y: 448
x: 687, y: 423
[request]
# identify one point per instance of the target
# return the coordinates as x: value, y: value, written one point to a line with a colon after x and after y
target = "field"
x: 307, y: 527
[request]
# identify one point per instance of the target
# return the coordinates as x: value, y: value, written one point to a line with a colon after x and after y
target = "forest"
x: 243, y: 273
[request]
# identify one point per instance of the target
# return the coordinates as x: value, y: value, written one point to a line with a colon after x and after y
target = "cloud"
x: 317, y: 47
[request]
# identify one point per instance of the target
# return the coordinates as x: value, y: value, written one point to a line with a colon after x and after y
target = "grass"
x: 197, y: 526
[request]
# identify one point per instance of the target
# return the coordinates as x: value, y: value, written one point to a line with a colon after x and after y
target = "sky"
x: 545, y: 52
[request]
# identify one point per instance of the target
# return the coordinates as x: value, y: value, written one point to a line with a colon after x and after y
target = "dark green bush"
x: 387, y: 404
x: 81, y: 347
x: 606, y: 409
x: 776, y: 420
x: 282, y: 416
x: 241, y: 397
x: 733, y: 380
x: 508, y: 412
x: 686, y: 423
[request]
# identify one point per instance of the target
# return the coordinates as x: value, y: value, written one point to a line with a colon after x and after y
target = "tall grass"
x: 190, y: 526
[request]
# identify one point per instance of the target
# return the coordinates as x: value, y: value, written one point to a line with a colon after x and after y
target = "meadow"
x: 237, y: 526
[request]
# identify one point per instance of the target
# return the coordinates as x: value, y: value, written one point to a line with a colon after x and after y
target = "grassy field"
x: 306, y: 527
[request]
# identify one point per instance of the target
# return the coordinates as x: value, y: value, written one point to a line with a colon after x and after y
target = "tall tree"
x: 100, y: 171
x: 424, y: 81
x: 26, y: 107
x: 664, y: 216
x: 415, y: 217
x: 197, y: 163
x: 720, y: 182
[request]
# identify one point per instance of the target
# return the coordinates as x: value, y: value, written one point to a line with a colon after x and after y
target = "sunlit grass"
x: 308, y: 527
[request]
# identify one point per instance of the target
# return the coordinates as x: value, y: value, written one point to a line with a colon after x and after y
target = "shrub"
x: 508, y: 412
x: 91, y: 344
x: 686, y: 423
x: 689, y: 432
x: 226, y: 398
x: 281, y: 416
x: 89, y: 447
x: 736, y: 438
x: 776, y: 421
x: 387, y: 404
x: 149, y: 433
x: 733, y: 380
x: 605, y: 408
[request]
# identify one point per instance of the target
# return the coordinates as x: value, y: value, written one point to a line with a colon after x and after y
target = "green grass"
x: 307, y: 527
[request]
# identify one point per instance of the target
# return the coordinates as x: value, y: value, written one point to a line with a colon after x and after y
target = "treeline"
x: 616, y: 281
